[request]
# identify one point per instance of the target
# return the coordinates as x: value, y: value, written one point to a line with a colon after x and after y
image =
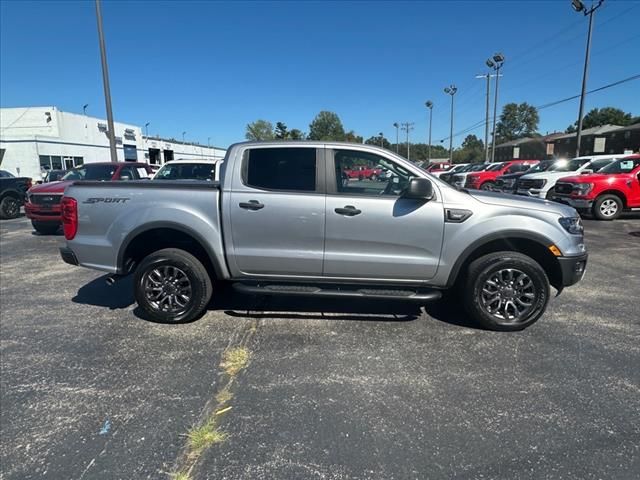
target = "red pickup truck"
x: 43, y: 201
x: 361, y: 172
x: 605, y: 194
x: 485, y: 179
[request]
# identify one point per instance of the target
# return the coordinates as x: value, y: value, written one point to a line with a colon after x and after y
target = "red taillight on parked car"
x: 69, y: 217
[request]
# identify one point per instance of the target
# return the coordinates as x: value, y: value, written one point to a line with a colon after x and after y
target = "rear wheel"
x: 487, y: 186
x: 45, y: 228
x: 506, y: 291
x: 9, y: 207
x: 607, y: 207
x: 172, y: 286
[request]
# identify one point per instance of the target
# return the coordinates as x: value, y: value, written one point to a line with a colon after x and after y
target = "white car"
x: 541, y: 185
x: 455, y: 169
x: 188, y: 170
x: 459, y: 179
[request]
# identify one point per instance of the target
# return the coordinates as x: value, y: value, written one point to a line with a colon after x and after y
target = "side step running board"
x: 338, y: 291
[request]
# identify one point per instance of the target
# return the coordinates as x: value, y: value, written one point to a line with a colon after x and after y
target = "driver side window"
x: 363, y: 173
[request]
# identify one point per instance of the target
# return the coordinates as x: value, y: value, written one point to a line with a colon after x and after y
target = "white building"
x: 35, y: 139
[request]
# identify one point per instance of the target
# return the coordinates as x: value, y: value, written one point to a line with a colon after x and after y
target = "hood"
x: 510, y: 176
x: 526, y: 203
x: 547, y: 175
x: 590, y: 178
x: 53, y: 187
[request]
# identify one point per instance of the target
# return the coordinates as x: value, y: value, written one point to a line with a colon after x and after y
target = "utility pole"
x: 381, y: 135
x: 407, y: 127
x: 107, y: 90
x: 397, y: 125
x: 486, y: 122
x: 451, y: 90
x: 495, y: 63
x: 578, y: 6
x: 429, y: 105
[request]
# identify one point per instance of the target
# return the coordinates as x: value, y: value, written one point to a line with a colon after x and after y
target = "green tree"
x: 295, y: 134
x: 259, y: 130
x: 517, y: 121
x: 281, y: 131
x: 375, y: 140
x: 471, y: 151
x: 604, y: 116
x: 326, y: 126
x: 352, y: 137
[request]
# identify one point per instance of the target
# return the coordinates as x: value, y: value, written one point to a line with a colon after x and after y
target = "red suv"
x: 485, y: 179
x: 606, y: 194
x: 43, y: 201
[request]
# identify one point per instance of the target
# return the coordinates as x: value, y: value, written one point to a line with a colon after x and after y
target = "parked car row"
x: 603, y: 185
x: 43, y: 202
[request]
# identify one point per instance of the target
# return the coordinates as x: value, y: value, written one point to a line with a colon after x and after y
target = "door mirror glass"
x: 419, y: 188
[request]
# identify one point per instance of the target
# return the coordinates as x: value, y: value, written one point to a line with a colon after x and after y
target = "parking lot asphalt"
x: 332, y: 390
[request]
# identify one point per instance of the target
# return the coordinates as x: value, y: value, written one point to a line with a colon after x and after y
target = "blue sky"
x: 209, y: 68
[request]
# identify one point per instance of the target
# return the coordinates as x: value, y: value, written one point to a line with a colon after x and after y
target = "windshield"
x: 496, y: 167
x: 624, y: 165
x: 540, y: 167
x: 568, y: 165
x: 91, y: 172
x: 186, y: 171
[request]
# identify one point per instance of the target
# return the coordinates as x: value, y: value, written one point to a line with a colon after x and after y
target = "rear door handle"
x: 251, y: 205
x: 348, y: 210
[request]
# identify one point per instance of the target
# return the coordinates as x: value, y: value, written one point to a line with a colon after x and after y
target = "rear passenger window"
x: 281, y: 169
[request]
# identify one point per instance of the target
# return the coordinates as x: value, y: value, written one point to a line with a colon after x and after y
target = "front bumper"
x: 577, y: 203
x: 572, y: 269
x: 68, y: 256
x: 532, y: 192
x: 40, y: 214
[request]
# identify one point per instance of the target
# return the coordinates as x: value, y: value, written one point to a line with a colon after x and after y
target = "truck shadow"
x: 226, y: 299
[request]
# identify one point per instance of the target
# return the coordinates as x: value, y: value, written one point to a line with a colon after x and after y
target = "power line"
x: 481, y: 123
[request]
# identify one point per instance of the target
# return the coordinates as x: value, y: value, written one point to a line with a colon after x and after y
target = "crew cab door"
x: 276, y: 211
x: 371, y: 231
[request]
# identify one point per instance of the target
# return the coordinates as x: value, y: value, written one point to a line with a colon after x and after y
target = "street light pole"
x: 496, y: 63
x: 84, y: 109
x: 381, y: 139
x: 578, y: 6
x: 397, y: 125
x: 107, y: 90
x: 486, y: 122
x: 429, y: 105
x: 183, y: 133
x: 407, y: 127
x: 146, y: 126
x: 451, y: 90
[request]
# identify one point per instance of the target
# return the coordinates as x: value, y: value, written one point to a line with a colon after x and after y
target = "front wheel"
x: 607, y: 207
x: 506, y: 291
x: 172, y: 286
x: 487, y: 186
x: 9, y: 207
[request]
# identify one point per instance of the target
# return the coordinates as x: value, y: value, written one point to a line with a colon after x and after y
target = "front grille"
x: 44, y: 199
x: 527, y: 184
x: 564, y: 188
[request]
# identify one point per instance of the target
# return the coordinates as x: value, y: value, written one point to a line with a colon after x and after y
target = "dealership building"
x: 36, y: 139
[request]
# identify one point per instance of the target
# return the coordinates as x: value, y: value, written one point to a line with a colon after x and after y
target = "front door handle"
x: 348, y: 210
x: 251, y: 205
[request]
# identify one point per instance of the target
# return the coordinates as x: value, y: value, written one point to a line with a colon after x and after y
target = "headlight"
x: 573, y: 225
x: 582, y: 188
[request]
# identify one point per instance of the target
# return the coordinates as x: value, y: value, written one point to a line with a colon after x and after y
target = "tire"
x: 373, y: 177
x: 45, y: 228
x: 487, y: 186
x: 172, y: 271
x: 607, y: 207
x: 9, y: 207
x: 487, y: 275
x: 550, y: 193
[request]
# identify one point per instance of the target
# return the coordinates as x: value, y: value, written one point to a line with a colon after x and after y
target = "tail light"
x: 69, y: 217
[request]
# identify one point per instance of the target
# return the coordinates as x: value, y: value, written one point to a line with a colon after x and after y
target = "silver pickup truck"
x: 285, y: 219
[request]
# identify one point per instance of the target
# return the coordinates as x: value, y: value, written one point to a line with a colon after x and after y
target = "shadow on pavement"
x: 235, y: 304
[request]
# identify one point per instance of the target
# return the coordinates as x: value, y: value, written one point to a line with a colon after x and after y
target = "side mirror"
x: 419, y: 188
x: 586, y: 171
